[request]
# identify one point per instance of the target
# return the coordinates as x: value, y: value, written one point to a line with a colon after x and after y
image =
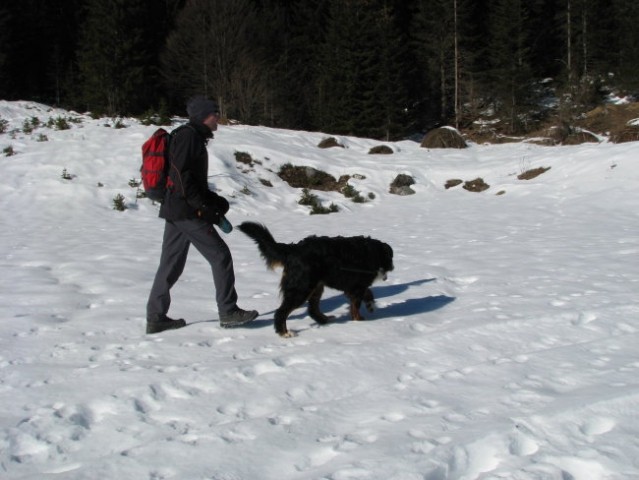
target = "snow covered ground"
x: 504, y: 345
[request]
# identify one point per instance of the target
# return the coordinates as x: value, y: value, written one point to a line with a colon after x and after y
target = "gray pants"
x: 178, y: 237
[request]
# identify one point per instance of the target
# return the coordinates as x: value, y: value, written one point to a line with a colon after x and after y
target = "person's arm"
x: 184, y: 149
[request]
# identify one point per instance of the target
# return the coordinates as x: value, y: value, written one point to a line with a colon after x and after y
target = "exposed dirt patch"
x: 532, y: 173
x: 453, y: 182
x: 477, y: 185
x: 308, y: 177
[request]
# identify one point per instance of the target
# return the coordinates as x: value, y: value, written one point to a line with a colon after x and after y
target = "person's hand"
x: 219, y: 202
x: 209, y: 214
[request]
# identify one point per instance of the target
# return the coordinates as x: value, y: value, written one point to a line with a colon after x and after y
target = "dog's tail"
x: 272, y: 252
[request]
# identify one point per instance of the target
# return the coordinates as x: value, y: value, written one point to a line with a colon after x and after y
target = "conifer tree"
x: 627, y: 15
x: 113, y: 57
x: 361, y: 86
x: 297, y: 67
x: 510, y: 74
x: 434, y: 43
x: 215, y: 50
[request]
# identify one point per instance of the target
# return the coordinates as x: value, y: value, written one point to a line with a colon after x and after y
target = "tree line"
x: 377, y: 68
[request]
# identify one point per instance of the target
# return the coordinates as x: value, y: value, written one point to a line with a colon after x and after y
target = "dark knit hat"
x: 201, y: 107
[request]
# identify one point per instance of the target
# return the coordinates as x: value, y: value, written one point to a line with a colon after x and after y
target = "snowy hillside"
x: 504, y: 345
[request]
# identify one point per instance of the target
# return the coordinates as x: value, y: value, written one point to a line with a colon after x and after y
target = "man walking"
x: 191, y: 210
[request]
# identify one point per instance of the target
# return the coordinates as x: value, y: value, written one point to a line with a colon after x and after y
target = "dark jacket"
x: 188, y: 190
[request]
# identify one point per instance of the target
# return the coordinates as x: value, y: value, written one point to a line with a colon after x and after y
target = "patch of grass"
x: 532, y: 173
x: 244, y: 157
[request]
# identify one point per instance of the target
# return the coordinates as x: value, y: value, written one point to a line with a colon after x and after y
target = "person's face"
x: 211, y: 121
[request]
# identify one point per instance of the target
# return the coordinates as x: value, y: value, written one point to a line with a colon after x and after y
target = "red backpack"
x: 155, y: 165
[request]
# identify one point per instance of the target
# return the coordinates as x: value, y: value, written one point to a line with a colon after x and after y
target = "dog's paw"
x: 288, y: 334
x: 324, y: 319
x: 370, y: 306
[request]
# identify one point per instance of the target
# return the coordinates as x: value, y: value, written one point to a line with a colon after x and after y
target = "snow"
x: 504, y: 345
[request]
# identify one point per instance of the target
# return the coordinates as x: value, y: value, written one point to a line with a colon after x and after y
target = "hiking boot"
x: 237, y: 317
x: 161, y: 323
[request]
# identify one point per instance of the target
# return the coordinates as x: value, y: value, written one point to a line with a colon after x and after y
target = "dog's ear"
x: 387, y: 257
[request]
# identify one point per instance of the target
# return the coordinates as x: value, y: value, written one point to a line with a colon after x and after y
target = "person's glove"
x: 209, y: 214
x: 219, y: 202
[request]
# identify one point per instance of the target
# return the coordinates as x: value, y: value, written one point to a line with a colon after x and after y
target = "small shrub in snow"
x: 59, y: 123
x: 313, y: 201
x: 8, y: 151
x: 159, y: 117
x: 118, y: 123
x: 30, y: 124
x: 351, y: 192
x: 321, y: 210
x: 308, y: 198
x: 119, y: 203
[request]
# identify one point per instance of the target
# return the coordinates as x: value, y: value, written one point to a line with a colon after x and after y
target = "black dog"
x: 349, y: 264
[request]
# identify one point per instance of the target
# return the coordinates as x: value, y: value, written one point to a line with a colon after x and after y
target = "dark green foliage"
x: 361, y: 84
x: 311, y: 200
x: 111, y: 58
x: 119, y: 203
x: 385, y: 69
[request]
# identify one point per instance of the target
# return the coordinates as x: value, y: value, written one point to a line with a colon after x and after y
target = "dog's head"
x: 385, y: 259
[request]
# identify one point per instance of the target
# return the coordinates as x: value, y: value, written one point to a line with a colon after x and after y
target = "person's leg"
x: 213, y: 248
x: 175, y: 248
x: 208, y: 242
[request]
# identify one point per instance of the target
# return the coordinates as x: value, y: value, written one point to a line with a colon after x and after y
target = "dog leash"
x: 359, y: 270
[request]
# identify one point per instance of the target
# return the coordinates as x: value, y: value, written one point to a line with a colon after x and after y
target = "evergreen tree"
x: 5, y: 52
x: 113, y: 57
x: 361, y: 87
x: 510, y: 72
x: 37, y: 48
x: 296, y: 68
x: 627, y: 64
x: 390, y: 116
x: 215, y: 50
x: 434, y: 42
